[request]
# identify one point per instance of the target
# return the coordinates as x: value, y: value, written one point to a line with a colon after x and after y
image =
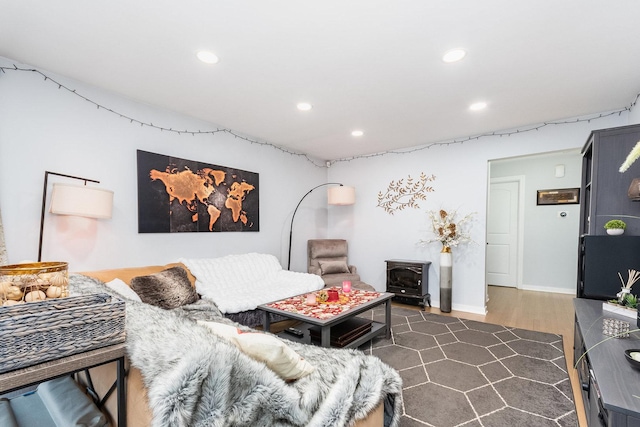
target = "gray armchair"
x: 328, y: 259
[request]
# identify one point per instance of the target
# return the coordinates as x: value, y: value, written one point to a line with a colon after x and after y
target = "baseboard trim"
x: 548, y: 289
x: 469, y: 309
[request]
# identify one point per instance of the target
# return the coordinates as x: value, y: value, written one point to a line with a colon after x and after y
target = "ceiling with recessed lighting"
x: 370, y: 65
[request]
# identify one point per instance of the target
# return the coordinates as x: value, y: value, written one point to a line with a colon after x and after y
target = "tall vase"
x: 446, y: 267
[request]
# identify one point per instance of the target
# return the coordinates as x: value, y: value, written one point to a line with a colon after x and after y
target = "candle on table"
x: 311, y: 299
x: 333, y: 295
x: 346, y: 286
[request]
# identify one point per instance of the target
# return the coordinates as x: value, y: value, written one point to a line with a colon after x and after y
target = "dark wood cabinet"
x: 603, y: 193
x: 409, y: 281
x: 603, y: 196
x: 610, y: 386
x: 600, y: 260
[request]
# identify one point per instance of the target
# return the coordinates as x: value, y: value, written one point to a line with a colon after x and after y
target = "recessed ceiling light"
x: 357, y: 133
x: 304, y: 106
x: 454, y: 55
x: 208, y: 57
x: 478, y: 106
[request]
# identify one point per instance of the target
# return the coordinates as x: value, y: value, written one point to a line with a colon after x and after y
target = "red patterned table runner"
x: 325, y: 310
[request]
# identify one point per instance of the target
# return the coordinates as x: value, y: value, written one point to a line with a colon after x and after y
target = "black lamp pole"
x: 294, y: 215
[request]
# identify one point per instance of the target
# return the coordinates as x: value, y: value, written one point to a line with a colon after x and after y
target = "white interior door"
x: 502, y: 233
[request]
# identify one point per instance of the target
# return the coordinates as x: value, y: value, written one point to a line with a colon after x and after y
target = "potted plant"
x: 615, y: 227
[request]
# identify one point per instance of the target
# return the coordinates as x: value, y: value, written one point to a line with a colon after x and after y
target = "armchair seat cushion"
x: 363, y: 286
x: 337, y: 279
x: 355, y: 285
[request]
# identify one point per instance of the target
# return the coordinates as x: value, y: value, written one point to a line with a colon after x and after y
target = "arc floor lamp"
x: 341, y: 195
x: 77, y: 200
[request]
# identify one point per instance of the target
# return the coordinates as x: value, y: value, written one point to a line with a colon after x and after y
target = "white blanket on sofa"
x: 242, y: 282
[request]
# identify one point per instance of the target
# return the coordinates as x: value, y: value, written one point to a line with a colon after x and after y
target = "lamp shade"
x: 80, y: 200
x: 341, y: 195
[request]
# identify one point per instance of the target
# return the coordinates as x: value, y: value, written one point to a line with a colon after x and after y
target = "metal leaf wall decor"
x: 405, y: 193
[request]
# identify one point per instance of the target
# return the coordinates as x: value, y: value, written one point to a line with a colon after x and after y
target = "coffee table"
x: 327, y: 315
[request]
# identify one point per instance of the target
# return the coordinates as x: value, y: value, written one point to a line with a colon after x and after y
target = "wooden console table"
x: 31, y: 375
x: 610, y: 385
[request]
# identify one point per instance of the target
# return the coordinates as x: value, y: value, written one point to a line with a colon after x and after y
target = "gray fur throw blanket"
x: 195, y: 379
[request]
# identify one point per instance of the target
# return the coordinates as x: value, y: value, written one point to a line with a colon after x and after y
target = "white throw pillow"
x: 123, y: 289
x: 268, y: 349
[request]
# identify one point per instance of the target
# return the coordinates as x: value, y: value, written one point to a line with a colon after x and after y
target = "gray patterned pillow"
x: 167, y: 289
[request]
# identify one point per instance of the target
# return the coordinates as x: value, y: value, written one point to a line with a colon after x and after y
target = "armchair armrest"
x: 353, y: 269
x: 314, y: 270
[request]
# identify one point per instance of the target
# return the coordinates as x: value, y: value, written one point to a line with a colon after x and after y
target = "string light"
x: 326, y: 164
x: 164, y: 129
x: 487, y: 134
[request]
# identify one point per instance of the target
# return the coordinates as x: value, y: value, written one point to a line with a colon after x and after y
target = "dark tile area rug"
x: 460, y: 372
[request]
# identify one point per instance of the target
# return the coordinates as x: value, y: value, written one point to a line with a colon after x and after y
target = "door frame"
x: 520, y: 180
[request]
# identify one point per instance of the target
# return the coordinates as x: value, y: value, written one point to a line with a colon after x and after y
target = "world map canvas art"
x: 177, y: 195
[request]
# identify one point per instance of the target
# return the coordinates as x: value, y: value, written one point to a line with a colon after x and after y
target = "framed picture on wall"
x: 177, y: 195
x: 562, y: 196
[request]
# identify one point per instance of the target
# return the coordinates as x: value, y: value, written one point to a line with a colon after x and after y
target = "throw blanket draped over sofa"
x: 195, y: 378
x: 242, y: 282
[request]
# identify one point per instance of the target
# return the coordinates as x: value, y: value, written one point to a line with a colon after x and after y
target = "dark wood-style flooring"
x: 538, y: 311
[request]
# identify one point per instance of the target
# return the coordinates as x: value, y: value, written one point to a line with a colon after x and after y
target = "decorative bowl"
x: 628, y: 355
x: 30, y: 282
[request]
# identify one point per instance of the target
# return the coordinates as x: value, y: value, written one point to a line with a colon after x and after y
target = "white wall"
x: 46, y: 128
x: 634, y: 115
x: 550, y: 242
x: 461, y: 183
